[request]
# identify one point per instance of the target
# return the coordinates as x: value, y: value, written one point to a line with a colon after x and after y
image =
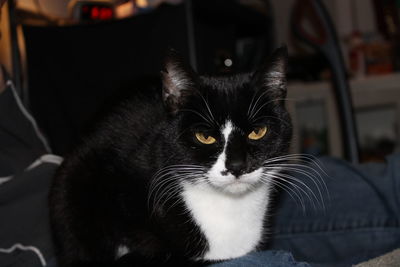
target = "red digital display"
x: 96, y: 12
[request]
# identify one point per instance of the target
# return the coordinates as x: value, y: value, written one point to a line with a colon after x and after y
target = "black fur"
x: 99, y: 197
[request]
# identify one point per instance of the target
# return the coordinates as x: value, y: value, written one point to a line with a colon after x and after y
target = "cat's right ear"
x: 178, y: 81
x: 272, y: 74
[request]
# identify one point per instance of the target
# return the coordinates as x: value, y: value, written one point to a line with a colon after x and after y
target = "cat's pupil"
x: 257, y: 131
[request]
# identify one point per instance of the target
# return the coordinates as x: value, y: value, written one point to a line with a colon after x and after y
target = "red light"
x: 95, y: 13
x: 106, y: 13
x: 85, y: 9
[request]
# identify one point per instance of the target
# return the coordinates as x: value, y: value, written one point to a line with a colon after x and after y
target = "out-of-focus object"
x: 232, y: 35
x: 357, y: 55
x: 387, y: 17
x: 381, y: 140
x: 307, y: 67
x: 378, y: 57
x: 370, y: 55
x: 73, y: 70
x: 82, y: 10
x: 5, y: 42
x: 16, y: 53
x: 377, y: 109
x: 311, y: 23
x: 389, y: 25
x: 125, y: 10
x: 67, y: 12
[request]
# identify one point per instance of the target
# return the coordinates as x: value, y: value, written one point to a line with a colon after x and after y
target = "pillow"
x: 21, y: 141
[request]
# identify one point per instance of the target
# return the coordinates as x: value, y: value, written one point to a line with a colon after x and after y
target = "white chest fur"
x: 232, y: 225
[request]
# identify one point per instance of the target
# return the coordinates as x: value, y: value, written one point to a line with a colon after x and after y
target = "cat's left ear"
x: 272, y: 75
x: 178, y: 81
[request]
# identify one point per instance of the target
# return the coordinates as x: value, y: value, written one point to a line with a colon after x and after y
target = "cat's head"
x: 227, y: 128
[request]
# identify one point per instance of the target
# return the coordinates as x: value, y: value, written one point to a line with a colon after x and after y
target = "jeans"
x: 353, y: 219
x: 268, y: 258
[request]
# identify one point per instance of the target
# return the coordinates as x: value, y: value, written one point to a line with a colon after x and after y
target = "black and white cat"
x: 177, y: 177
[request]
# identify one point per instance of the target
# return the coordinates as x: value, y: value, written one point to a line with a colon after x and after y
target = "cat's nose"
x: 236, y: 167
x: 236, y: 156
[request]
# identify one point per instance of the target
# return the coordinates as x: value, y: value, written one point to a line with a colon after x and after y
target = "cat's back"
x: 134, y: 111
x: 120, y: 132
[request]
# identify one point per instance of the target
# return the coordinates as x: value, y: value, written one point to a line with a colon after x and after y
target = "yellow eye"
x: 258, y: 133
x: 205, y: 140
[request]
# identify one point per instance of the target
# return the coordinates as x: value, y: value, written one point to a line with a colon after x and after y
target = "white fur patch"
x: 226, y: 131
x: 121, y: 251
x: 215, y: 175
x: 232, y: 224
x: 229, y: 211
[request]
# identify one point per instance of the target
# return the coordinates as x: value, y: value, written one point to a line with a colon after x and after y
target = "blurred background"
x: 67, y: 57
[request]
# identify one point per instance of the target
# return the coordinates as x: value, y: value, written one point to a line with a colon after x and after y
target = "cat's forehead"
x: 237, y: 98
x: 223, y: 84
x: 219, y: 100
x: 227, y: 94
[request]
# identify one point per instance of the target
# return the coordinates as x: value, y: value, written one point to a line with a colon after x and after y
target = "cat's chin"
x: 237, y: 186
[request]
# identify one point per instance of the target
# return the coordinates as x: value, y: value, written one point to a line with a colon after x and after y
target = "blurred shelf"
x: 365, y: 91
x: 391, y: 80
x: 368, y: 94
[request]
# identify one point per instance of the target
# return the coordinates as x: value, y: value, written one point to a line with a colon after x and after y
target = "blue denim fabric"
x: 361, y: 218
x: 263, y: 259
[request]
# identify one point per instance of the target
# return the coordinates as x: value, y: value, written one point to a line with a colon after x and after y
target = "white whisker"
x: 309, y: 191
x: 253, y: 106
x: 308, y: 160
x: 314, y: 176
x: 262, y: 106
x: 288, y: 189
x: 208, y: 108
x: 166, y: 184
x: 206, y: 118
